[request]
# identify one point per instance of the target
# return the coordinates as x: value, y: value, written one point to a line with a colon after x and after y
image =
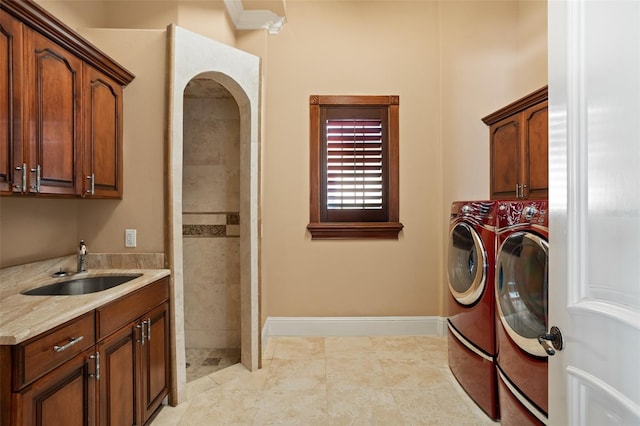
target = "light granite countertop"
x: 23, y: 317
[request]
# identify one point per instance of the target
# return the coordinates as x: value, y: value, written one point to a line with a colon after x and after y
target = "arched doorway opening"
x: 192, y: 56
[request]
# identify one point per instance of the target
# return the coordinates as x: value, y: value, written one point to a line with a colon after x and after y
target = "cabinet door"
x: 155, y: 360
x: 536, y: 147
x: 64, y: 397
x: 118, y: 385
x: 505, y: 157
x: 102, y: 105
x: 54, y: 79
x: 10, y: 98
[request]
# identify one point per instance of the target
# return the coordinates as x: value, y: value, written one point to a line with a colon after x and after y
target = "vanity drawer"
x: 128, y: 308
x: 43, y: 353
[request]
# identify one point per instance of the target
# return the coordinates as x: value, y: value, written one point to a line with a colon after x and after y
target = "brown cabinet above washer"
x: 518, y: 140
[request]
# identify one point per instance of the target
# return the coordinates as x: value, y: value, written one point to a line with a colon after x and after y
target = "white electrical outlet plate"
x: 129, y: 237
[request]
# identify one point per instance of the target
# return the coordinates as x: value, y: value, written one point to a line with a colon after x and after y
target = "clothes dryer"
x: 521, y: 295
x: 471, y: 306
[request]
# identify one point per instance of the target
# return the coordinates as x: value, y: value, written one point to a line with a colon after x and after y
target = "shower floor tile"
x: 202, y: 362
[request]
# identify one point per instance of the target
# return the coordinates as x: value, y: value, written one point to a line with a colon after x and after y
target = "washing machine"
x: 471, y: 307
x: 521, y: 295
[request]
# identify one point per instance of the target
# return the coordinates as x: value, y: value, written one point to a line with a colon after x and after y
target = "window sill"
x: 355, y: 230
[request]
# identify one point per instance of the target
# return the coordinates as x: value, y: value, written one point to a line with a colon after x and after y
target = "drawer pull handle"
x: 72, y: 341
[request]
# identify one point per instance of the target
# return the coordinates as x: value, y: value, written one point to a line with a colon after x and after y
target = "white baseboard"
x: 353, y: 326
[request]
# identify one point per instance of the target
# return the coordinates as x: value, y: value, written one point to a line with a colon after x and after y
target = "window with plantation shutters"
x: 353, y: 149
x: 354, y: 167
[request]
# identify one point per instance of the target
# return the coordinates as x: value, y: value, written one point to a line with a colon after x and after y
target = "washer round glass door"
x: 467, y: 264
x: 522, y: 289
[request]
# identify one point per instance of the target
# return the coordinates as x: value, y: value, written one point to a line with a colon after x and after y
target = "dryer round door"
x: 522, y: 289
x: 467, y: 266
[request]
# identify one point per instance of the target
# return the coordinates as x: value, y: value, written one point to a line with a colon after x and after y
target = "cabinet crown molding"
x: 517, y: 106
x: 51, y: 27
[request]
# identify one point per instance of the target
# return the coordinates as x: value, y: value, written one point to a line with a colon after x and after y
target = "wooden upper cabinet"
x: 102, y: 103
x: 10, y: 98
x: 61, y: 108
x: 536, y: 144
x: 518, y: 138
x: 54, y: 79
x: 505, y: 157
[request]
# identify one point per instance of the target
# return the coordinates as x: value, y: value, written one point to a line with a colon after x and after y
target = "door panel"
x: 155, y: 361
x: 118, y: 385
x: 536, y: 122
x: 10, y: 101
x: 64, y: 397
x: 594, y: 205
x: 103, y: 135
x: 52, y: 118
x: 505, y: 157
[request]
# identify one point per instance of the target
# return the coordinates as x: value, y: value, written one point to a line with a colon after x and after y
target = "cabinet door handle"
x: 72, y: 341
x: 148, y: 329
x: 517, y: 190
x: 23, y: 178
x: 38, y: 179
x: 92, y: 189
x: 97, y: 373
x: 524, y: 186
x: 142, y: 332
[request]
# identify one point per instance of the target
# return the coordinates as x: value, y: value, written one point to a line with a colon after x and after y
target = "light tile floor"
x: 397, y: 380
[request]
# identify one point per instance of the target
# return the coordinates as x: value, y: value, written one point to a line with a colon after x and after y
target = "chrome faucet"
x: 82, y: 255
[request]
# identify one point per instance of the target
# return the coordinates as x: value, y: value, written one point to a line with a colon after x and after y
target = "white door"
x: 594, y: 196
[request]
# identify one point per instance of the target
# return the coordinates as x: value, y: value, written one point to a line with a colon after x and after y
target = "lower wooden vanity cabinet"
x: 140, y: 344
x: 127, y: 399
x: 107, y: 367
x: 155, y: 362
x: 119, y: 354
x: 52, y: 375
x: 39, y: 355
x: 64, y: 396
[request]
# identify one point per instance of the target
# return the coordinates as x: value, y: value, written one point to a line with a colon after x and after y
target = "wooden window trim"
x: 388, y: 229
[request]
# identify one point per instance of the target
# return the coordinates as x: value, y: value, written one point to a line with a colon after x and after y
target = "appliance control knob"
x: 529, y: 212
x: 466, y: 209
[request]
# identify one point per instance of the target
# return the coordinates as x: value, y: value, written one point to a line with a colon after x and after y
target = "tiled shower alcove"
x: 211, y: 227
